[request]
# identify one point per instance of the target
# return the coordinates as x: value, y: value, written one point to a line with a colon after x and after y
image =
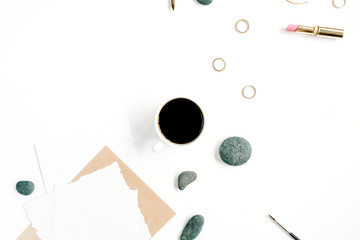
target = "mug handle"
x: 158, y: 146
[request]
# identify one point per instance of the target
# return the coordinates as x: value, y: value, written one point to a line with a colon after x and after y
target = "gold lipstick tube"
x: 321, y: 31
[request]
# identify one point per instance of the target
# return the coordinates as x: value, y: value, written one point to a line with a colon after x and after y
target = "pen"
x: 291, y: 234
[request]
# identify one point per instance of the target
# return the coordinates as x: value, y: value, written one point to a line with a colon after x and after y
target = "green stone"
x: 25, y: 187
x: 204, y: 2
x: 193, y: 228
x: 185, y: 178
x: 235, y: 151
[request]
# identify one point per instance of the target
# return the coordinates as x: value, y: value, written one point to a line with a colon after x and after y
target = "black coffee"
x: 181, y: 120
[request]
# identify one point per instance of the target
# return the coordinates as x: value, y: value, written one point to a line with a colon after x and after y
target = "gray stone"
x: 204, y: 2
x: 193, y: 228
x: 25, y: 187
x: 185, y: 178
x: 235, y: 151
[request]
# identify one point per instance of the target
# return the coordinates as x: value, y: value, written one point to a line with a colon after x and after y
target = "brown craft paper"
x: 156, y: 212
x: 29, y: 233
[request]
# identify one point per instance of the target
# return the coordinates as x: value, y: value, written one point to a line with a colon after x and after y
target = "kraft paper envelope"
x: 156, y: 212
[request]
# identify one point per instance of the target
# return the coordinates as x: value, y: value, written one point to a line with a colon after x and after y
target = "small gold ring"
x: 247, y: 26
x: 218, y: 59
x: 254, y: 92
x: 337, y: 6
x: 296, y: 2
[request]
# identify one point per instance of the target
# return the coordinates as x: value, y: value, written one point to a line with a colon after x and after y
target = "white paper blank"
x: 40, y: 213
x: 97, y: 206
x: 61, y: 159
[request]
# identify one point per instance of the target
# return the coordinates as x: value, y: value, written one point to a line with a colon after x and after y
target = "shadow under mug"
x: 178, y: 122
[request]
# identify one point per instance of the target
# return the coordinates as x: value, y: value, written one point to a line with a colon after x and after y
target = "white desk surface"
x: 76, y: 65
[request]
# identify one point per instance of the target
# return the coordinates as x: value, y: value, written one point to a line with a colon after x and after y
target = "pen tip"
x: 271, y: 217
x: 173, y: 4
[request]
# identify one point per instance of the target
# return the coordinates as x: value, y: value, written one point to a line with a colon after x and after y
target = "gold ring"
x: 213, y: 64
x: 337, y: 6
x: 296, y: 2
x: 249, y: 97
x: 247, y: 26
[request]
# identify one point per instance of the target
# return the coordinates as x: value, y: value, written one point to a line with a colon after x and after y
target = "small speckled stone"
x: 204, y: 2
x: 235, y: 151
x: 25, y: 187
x: 185, y: 178
x: 193, y: 228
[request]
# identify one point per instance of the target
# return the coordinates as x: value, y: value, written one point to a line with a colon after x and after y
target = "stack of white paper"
x: 97, y: 206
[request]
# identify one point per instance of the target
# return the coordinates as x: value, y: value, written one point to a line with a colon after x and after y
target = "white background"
x: 74, y: 65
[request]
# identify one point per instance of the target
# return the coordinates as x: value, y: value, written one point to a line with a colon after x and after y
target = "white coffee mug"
x: 178, y: 122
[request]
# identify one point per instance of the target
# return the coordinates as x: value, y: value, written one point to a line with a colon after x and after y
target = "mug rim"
x: 162, y: 136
